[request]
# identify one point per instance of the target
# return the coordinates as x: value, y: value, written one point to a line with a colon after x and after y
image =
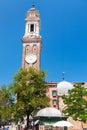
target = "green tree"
x: 76, y: 103
x: 6, y: 101
x: 30, y: 88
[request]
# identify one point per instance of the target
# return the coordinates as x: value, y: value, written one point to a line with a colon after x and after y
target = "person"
x: 5, y: 128
x: 2, y: 128
x: 21, y: 128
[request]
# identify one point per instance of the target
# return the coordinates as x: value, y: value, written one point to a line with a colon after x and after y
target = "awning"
x: 62, y: 124
x: 47, y: 123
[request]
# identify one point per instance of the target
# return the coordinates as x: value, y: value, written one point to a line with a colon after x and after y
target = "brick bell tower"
x: 31, y: 40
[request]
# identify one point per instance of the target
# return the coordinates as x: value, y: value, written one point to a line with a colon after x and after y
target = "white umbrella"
x: 62, y: 124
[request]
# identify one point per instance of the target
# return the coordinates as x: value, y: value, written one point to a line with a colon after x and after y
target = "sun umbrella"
x: 62, y: 124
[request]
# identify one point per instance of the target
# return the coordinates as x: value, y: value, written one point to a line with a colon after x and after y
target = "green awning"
x: 49, y: 123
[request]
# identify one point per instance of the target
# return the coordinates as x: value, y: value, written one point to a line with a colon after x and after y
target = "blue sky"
x: 64, y: 34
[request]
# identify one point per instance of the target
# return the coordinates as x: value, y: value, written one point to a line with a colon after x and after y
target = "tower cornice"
x: 31, y: 40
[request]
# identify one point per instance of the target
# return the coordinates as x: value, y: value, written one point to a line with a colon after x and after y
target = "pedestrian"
x: 5, y: 128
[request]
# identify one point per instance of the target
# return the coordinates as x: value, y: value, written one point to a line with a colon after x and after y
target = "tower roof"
x: 63, y: 88
x: 33, y: 14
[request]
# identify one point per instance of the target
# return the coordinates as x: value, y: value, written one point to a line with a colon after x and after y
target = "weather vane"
x: 63, y: 74
x: 33, y: 3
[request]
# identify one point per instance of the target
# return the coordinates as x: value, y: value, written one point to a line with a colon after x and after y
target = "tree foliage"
x: 76, y: 103
x: 6, y: 101
x: 30, y: 88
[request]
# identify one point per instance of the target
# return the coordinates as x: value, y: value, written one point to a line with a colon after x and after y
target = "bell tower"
x: 31, y: 40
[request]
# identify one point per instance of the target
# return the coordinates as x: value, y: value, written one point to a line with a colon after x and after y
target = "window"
x: 34, y: 48
x: 54, y: 102
x: 27, y: 48
x: 32, y: 28
x: 54, y: 93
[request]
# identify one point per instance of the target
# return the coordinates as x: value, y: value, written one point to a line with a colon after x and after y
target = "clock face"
x: 30, y: 58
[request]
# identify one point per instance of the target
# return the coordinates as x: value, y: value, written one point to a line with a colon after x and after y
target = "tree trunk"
x: 82, y: 125
x: 27, y: 120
